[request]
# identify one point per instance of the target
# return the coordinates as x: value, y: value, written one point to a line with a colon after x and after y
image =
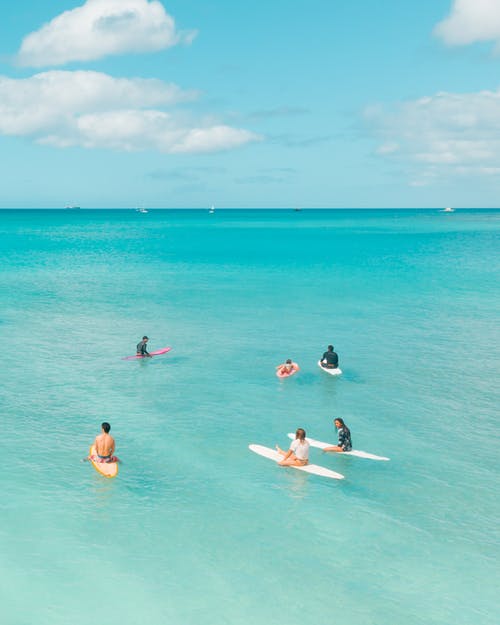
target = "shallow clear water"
x: 196, y: 529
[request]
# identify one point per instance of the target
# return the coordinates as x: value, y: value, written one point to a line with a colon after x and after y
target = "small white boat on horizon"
x: 448, y: 209
x: 211, y: 209
x: 141, y: 210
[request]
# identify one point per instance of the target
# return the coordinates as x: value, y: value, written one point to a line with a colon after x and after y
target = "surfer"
x: 344, y: 434
x: 330, y: 359
x: 287, y: 367
x: 142, y: 347
x: 298, y: 453
x: 105, y: 445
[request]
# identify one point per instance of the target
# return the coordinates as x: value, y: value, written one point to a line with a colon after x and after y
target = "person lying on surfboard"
x: 287, y: 367
x: 142, y: 347
x: 298, y: 453
x: 344, y: 434
x: 105, y: 445
x: 330, y: 359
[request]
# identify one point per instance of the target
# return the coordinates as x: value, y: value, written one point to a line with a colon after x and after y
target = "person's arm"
x: 112, y: 447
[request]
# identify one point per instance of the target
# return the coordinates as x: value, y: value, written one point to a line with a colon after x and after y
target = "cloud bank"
x: 471, y: 21
x: 95, y: 110
x: 445, y: 134
x: 100, y: 28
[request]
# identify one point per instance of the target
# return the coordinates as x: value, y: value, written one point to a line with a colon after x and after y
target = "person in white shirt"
x: 298, y: 454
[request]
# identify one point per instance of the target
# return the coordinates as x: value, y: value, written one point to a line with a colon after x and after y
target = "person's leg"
x: 293, y: 461
x: 333, y: 448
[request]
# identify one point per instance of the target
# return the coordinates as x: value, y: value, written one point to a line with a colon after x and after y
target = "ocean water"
x: 197, y: 530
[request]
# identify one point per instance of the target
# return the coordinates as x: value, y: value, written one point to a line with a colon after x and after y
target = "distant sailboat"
x: 212, y: 209
x: 141, y: 210
x: 448, y: 209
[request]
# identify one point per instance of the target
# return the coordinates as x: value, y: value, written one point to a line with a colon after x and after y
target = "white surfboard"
x: 272, y: 454
x: 337, y: 371
x: 354, y: 452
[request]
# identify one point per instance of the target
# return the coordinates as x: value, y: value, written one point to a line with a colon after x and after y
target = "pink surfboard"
x: 158, y: 352
x: 287, y: 374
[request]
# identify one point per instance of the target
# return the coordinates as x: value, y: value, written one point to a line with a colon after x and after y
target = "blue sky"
x: 188, y: 103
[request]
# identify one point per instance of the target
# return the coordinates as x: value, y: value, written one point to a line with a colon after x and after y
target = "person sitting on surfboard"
x: 142, y: 347
x: 287, y: 367
x: 105, y: 445
x: 330, y: 359
x: 298, y: 453
x: 344, y: 433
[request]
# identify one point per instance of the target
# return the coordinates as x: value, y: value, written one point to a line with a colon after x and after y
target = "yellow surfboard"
x: 108, y: 469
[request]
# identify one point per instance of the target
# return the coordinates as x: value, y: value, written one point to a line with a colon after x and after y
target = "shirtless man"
x: 105, y: 445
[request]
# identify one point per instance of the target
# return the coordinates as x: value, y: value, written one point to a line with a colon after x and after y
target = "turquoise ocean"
x: 196, y: 529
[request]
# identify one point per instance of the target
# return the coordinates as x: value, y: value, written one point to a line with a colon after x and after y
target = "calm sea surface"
x: 197, y: 530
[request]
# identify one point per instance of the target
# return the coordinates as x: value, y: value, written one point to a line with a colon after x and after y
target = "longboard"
x: 354, y: 452
x: 337, y: 371
x: 158, y: 352
x: 308, y: 468
x: 108, y: 469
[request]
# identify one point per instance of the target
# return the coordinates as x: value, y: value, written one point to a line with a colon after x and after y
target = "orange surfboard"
x: 108, y: 469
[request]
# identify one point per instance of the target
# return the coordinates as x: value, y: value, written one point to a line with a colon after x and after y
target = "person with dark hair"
x: 298, y: 453
x: 344, y: 434
x: 330, y: 359
x: 287, y: 368
x: 105, y: 445
x: 142, y: 348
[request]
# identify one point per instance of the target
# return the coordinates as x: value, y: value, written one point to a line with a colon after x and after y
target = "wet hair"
x: 106, y: 427
x: 343, y: 425
x: 145, y: 337
x: 300, y: 433
x: 330, y: 348
x: 289, y: 361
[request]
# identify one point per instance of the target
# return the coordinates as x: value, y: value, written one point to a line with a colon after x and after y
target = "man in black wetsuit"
x: 330, y: 359
x: 142, y: 347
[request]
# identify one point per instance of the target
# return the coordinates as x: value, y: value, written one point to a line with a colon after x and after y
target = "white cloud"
x: 471, y: 21
x: 99, y: 28
x: 94, y: 110
x: 445, y: 134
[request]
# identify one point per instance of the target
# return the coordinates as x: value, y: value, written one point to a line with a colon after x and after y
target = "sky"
x: 265, y: 104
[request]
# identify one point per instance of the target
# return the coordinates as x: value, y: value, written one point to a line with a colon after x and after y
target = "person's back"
x: 104, y: 442
x: 331, y: 358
